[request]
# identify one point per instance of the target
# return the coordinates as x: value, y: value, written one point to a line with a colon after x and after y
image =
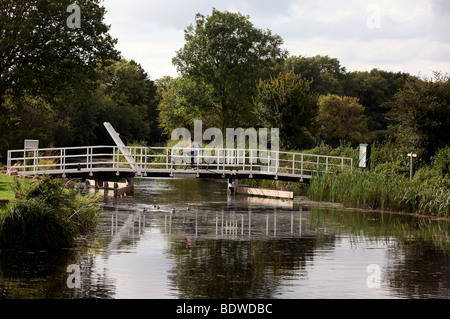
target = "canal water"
x: 188, y: 239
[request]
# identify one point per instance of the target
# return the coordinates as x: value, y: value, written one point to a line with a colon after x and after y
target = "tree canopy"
x: 226, y: 52
x: 48, y: 70
x: 41, y: 54
x: 421, y: 115
x: 341, y: 118
x: 286, y: 102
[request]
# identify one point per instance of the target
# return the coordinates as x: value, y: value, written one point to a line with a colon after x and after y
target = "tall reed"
x: 377, y: 190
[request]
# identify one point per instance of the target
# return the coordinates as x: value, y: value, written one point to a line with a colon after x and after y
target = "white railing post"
x: 63, y: 159
x: 87, y: 157
x: 145, y: 158
x: 251, y: 161
x: 277, y: 160
x: 35, y: 161
x: 301, y: 166
x: 115, y: 159
x: 167, y: 159
x: 293, y: 163
x: 24, y: 160
x: 318, y: 162
x: 8, y: 165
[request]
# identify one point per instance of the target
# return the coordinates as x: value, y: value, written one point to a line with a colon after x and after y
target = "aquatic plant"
x: 46, y: 215
x: 377, y: 190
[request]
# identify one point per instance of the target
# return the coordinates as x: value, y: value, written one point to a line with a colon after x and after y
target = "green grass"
x: 6, y: 191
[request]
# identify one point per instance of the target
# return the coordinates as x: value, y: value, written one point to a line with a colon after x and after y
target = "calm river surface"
x: 188, y: 239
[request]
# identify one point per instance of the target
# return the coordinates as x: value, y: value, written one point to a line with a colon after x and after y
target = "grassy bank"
x: 6, y: 192
x: 46, y: 215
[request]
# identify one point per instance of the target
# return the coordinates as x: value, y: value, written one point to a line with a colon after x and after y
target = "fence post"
x: 167, y: 158
x: 301, y: 165
x: 8, y: 160
x: 35, y: 160
x: 277, y: 157
x: 293, y: 163
x: 318, y: 162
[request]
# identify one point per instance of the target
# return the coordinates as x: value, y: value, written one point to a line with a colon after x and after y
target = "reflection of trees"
x: 182, y: 191
x: 242, y: 266
x: 237, y: 269
x: 422, y: 272
x: 31, y: 269
x: 43, y: 274
x: 379, y: 226
x: 419, y: 261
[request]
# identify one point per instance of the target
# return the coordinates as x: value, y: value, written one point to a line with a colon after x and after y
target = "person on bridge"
x: 194, y: 148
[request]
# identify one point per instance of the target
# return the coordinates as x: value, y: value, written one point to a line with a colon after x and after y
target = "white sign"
x: 363, y: 155
x: 31, y: 144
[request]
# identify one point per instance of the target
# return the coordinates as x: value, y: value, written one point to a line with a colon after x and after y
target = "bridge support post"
x: 130, y: 182
x: 233, y: 184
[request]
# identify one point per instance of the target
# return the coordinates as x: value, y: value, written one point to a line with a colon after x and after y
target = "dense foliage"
x: 47, y: 215
x: 226, y: 52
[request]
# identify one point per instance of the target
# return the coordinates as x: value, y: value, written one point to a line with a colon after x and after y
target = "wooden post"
x: 411, y: 165
x: 233, y: 185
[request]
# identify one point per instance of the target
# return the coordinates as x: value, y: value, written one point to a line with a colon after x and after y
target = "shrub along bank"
x: 46, y: 215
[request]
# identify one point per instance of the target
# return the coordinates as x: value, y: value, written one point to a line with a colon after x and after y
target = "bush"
x: 389, y: 158
x: 46, y: 215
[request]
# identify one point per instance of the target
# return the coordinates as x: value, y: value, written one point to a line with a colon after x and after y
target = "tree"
x: 373, y: 89
x: 126, y: 97
x: 48, y: 70
x: 41, y: 54
x: 28, y: 117
x: 224, y: 51
x: 421, y: 115
x: 181, y: 101
x: 341, y: 118
x: 325, y: 73
x: 287, y: 103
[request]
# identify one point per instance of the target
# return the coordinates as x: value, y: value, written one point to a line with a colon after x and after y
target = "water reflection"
x: 188, y: 239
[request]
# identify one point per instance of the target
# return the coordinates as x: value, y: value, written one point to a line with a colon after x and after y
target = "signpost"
x: 411, y: 165
x: 364, y: 155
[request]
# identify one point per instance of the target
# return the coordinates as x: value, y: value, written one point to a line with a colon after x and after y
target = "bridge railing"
x: 112, y: 158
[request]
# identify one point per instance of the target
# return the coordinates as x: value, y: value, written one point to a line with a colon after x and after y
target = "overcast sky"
x: 410, y: 36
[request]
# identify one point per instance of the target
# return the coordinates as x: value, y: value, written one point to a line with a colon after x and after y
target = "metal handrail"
x: 145, y: 159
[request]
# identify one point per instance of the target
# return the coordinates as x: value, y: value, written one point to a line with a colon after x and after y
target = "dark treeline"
x: 59, y: 85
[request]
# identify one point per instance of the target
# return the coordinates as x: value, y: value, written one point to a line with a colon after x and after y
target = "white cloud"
x: 412, y: 35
